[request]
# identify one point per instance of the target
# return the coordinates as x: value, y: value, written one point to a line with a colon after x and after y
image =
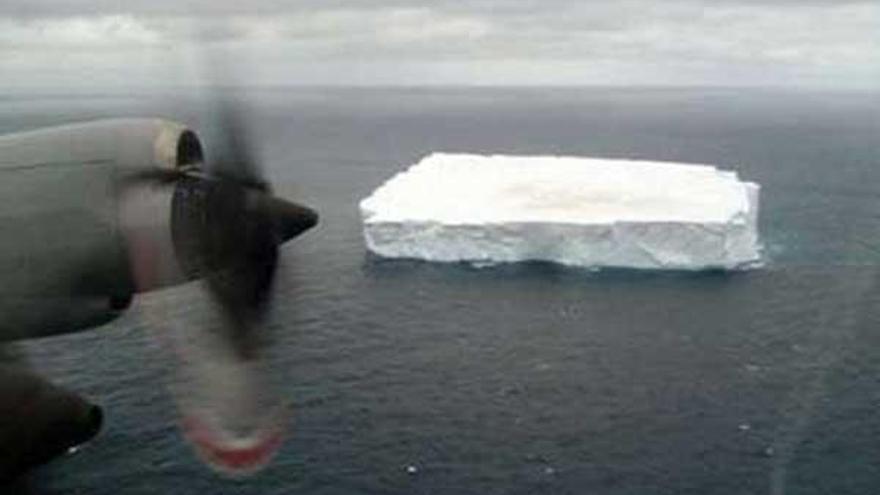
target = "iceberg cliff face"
x: 575, y: 211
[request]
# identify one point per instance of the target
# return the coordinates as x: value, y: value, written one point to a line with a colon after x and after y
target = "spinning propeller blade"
x: 225, y: 229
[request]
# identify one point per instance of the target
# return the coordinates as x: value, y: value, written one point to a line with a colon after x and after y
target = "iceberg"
x: 584, y: 212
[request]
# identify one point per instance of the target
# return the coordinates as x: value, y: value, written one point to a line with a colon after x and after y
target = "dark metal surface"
x: 40, y: 421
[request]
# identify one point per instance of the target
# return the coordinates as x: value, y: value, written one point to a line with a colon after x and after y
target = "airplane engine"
x: 67, y: 205
x: 99, y: 212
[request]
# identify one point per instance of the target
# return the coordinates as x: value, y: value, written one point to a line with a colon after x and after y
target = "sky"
x: 125, y: 43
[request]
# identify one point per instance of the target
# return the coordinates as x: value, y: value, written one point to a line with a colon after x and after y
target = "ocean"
x: 416, y: 378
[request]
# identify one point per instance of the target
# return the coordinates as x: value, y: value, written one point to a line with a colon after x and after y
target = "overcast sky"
x: 96, y: 43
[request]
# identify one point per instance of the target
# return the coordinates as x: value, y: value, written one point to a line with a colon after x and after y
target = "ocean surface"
x: 415, y: 378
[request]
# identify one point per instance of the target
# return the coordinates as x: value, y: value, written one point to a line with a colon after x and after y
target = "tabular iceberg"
x: 575, y: 211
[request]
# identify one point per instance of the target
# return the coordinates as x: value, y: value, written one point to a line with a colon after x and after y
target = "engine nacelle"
x: 100, y: 211
x: 68, y: 206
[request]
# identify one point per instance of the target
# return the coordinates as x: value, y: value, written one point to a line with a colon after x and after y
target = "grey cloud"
x: 564, y: 41
x: 67, y: 8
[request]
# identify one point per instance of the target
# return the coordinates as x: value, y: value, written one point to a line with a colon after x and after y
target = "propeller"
x: 224, y: 228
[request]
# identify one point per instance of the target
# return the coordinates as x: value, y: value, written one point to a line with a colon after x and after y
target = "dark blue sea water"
x: 409, y: 377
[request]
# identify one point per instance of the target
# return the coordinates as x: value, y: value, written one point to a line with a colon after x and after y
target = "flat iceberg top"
x: 475, y: 189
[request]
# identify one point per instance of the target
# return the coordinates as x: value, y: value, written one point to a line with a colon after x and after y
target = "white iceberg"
x: 583, y: 212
